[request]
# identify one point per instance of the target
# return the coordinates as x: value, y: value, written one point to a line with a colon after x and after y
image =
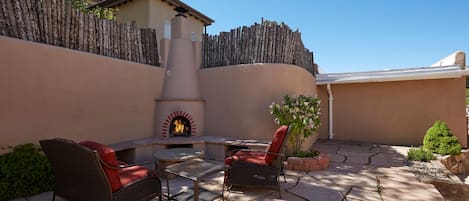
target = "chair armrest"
x: 122, y: 164
x: 260, y: 151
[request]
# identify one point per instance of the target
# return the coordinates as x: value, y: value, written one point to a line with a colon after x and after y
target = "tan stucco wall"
x: 237, y: 98
x: 137, y: 10
x: 161, y: 11
x: 50, y: 92
x: 324, y: 97
x: 396, y: 112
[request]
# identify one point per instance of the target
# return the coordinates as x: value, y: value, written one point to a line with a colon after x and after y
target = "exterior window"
x: 167, y: 29
x: 193, y: 37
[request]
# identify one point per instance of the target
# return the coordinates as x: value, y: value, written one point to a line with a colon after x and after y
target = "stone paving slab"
x: 344, y: 181
x: 399, y: 183
x: 328, y: 148
x: 349, y: 167
x: 314, y: 190
x: 337, y: 158
x: 357, y: 159
x: 358, y: 194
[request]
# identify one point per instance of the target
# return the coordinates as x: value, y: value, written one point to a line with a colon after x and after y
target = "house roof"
x: 176, y: 3
x: 434, y: 72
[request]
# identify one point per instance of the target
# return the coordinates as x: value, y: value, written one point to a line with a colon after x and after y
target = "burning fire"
x: 179, y: 126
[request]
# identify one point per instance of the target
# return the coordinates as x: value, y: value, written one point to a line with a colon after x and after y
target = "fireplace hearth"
x: 180, y: 127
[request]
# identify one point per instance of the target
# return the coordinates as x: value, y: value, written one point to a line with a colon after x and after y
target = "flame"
x: 179, y: 126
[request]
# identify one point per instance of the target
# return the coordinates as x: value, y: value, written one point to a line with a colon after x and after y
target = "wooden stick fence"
x: 57, y: 22
x: 267, y: 42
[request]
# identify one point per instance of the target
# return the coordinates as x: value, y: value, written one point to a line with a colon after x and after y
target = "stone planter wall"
x: 457, y: 164
x: 320, y: 162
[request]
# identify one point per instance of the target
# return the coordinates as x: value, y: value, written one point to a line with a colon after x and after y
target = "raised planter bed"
x: 320, y: 162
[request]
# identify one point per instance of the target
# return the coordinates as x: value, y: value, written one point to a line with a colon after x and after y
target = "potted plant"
x: 301, y: 113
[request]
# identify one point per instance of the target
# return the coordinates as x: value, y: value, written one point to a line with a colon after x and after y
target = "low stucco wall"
x: 238, y: 97
x: 50, y: 92
x: 395, y: 112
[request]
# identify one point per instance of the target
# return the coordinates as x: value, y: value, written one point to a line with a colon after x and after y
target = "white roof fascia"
x: 453, y: 71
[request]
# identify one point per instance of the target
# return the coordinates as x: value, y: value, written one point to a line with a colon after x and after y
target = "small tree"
x: 103, y: 13
x: 440, y: 139
x: 301, y: 114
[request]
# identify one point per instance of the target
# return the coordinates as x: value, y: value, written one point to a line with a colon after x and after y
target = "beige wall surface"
x: 137, y: 10
x: 396, y: 112
x: 324, y: 97
x: 237, y: 98
x: 51, y: 92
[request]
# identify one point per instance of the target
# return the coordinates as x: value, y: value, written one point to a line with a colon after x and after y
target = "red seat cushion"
x: 276, y: 145
x: 109, y: 156
x: 247, y: 156
x: 132, y: 173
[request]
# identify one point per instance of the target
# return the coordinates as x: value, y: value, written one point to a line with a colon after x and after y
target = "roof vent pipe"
x: 331, y: 122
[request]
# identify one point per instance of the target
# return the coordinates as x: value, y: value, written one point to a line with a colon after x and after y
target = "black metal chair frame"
x: 79, y: 175
x: 241, y: 173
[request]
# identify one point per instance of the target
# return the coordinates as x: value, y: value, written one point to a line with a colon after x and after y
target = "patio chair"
x: 257, y: 168
x: 90, y: 171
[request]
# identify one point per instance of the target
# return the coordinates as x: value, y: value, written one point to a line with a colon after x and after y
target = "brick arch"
x: 169, y: 118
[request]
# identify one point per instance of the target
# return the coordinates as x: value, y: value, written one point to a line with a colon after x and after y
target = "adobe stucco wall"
x: 238, y: 97
x: 50, y: 92
x: 395, y: 112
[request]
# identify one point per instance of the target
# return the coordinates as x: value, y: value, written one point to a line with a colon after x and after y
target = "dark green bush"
x: 307, y: 154
x: 420, y: 154
x: 24, y: 172
x: 440, y: 139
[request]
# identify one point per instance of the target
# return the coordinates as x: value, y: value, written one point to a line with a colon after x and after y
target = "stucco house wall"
x: 138, y: 11
x: 238, y: 97
x: 397, y: 112
x: 154, y: 14
x: 49, y: 91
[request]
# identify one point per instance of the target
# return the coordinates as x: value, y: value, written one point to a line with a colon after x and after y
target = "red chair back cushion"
x: 109, y: 156
x: 276, y: 145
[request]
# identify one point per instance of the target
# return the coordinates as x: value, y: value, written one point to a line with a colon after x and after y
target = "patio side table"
x: 194, y: 170
x: 166, y: 157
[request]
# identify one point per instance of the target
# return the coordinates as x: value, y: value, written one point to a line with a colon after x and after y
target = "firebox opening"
x: 180, y: 127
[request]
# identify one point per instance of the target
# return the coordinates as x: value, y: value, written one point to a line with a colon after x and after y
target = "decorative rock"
x: 457, y: 164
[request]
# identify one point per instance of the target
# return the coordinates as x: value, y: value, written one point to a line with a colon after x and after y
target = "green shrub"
x: 449, y: 145
x: 420, y: 154
x: 306, y: 154
x: 440, y: 139
x: 24, y: 172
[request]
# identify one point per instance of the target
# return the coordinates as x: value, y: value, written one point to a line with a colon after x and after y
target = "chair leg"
x: 167, y: 187
x: 53, y: 195
x: 279, y: 191
x: 223, y: 191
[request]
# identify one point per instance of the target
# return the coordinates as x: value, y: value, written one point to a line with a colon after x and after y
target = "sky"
x: 356, y: 35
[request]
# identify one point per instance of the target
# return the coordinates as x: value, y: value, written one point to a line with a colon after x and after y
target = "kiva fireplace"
x: 179, y: 112
x: 179, y: 124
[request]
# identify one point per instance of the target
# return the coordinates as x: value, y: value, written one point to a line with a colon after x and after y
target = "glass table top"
x: 195, y: 168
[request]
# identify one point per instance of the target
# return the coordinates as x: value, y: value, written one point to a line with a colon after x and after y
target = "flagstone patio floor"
x: 356, y: 172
